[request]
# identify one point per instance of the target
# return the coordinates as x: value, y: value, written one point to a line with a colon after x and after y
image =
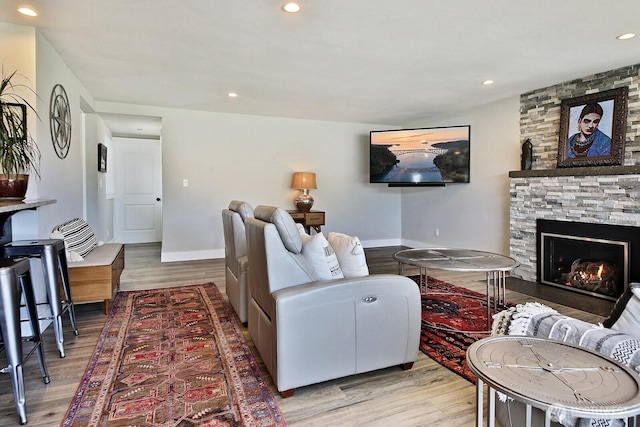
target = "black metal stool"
x: 15, y: 278
x: 56, y: 276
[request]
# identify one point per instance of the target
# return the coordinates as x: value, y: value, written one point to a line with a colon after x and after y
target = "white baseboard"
x: 219, y: 253
x: 415, y: 244
x: 191, y: 255
x: 380, y: 243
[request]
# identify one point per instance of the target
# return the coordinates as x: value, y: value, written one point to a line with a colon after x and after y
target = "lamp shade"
x: 304, y: 180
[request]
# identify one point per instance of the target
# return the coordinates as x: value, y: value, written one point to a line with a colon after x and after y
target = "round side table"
x: 495, y: 267
x: 552, y: 376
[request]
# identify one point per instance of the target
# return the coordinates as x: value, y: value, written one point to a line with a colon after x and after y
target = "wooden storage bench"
x: 97, y: 277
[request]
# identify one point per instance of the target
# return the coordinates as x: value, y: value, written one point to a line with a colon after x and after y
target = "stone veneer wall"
x: 609, y: 199
x: 540, y: 113
x: 599, y: 198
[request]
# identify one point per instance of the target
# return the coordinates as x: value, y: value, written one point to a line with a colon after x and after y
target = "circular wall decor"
x: 60, y: 121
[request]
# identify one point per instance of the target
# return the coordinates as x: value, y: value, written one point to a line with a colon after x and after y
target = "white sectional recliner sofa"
x: 236, y: 263
x: 307, y: 330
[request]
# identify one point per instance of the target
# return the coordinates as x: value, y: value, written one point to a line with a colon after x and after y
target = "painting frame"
x: 613, y: 124
x: 102, y: 158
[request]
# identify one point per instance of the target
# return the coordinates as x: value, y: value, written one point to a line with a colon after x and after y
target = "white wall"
x: 252, y: 158
x: 474, y: 215
x: 98, y: 203
x: 23, y: 49
x: 227, y: 156
x: 224, y: 156
x: 105, y: 187
x: 18, y: 47
x: 62, y: 179
x: 91, y: 209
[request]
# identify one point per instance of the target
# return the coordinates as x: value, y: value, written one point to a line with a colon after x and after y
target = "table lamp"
x: 304, y: 181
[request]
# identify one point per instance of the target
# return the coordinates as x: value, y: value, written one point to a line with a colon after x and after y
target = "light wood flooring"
x: 427, y: 395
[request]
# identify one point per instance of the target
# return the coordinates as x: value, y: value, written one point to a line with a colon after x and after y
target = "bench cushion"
x: 100, y: 255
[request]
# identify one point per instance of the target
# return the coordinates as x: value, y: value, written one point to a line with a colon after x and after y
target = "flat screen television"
x: 420, y: 157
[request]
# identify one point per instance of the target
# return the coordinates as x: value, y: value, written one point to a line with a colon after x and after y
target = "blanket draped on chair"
x: 538, y: 320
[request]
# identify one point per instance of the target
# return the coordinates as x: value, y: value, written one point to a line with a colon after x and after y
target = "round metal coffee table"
x: 553, y: 376
x: 462, y: 260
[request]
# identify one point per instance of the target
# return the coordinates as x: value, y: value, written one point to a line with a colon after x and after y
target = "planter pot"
x: 13, y: 189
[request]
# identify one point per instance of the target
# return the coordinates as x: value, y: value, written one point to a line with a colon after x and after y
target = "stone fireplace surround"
x: 611, y: 198
x: 603, y: 194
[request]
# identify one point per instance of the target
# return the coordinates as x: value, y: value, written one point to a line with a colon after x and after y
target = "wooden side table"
x: 552, y: 375
x: 308, y: 219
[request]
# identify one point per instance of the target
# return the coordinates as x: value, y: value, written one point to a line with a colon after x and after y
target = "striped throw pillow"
x: 78, y: 236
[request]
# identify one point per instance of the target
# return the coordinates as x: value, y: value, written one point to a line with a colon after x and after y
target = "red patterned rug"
x: 173, y: 357
x: 447, y: 307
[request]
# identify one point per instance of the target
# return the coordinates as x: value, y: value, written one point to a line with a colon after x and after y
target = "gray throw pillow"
x: 619, y: 307
x: 629, y: 320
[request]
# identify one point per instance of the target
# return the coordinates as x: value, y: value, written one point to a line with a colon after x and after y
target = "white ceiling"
x: 371, y: 61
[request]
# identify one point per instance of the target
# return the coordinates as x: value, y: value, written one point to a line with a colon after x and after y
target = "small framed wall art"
x: 102, y: 158
x: 592, y: 129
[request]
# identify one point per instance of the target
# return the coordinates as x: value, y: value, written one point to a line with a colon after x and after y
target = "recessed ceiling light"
x: 291, y: 7
x: 487, y: 82
x: 232, y: 95
x: 27, y: 11
x: 626, y: 36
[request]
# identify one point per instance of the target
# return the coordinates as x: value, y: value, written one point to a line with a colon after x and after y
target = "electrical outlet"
x: 436, y: 232
x: 185, y: 182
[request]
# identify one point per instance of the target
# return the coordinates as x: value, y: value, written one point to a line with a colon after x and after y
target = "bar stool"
x: 56, y: 276
x: 15, y: 278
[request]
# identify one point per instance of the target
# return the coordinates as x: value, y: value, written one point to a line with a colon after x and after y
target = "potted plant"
x: 19, y: 153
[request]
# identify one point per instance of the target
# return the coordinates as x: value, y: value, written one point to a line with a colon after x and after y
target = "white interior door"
x: 138, y: 204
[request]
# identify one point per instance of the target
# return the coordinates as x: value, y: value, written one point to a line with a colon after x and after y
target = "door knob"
x: 157, y: 199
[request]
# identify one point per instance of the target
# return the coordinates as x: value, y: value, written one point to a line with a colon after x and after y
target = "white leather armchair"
x: 310, y: 331
x: 236, y: 264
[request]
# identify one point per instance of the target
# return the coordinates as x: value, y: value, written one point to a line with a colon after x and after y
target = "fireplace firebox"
x: 594, y: 259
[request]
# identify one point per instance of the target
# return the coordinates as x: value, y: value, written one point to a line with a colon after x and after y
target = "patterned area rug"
x: 173, y: 357
x: 447, y: 307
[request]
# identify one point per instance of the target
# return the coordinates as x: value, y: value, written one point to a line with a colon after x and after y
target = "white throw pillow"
x: 78, y: 236
x: 321, y: 256
x: 350, y: 254
x: 71, y: 255
x: 629, y: 320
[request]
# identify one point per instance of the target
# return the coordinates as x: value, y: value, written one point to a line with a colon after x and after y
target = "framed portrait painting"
x: 592, y: 129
